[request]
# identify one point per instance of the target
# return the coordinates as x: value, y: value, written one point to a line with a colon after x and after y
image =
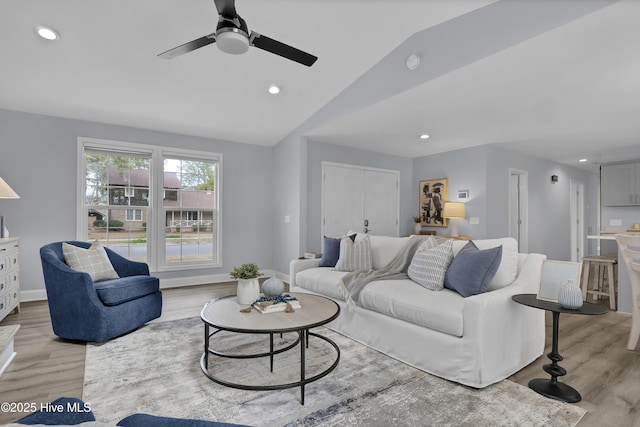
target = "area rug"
x: 156, y: 370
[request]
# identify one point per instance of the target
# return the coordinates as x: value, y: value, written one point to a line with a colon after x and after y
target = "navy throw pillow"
x: 330, y: 252
x: 471, y: 270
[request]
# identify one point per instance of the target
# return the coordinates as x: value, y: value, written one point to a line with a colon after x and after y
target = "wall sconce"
x: 554, y: 179
x: 455, y: 211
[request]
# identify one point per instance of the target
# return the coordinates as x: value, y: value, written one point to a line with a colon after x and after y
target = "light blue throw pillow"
x: 471, y: 270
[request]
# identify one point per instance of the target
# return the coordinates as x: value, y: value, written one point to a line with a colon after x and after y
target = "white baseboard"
x: 35, y: 295
x: 174, y: 282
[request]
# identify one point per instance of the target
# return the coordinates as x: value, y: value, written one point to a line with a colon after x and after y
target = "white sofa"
x: 476, y: 341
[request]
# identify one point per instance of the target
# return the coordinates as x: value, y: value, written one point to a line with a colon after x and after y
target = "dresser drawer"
x: 13, y: 297
x: 13, y: 278
x: 9, y: 275
x: 13, y: 261
x: 4, y: 305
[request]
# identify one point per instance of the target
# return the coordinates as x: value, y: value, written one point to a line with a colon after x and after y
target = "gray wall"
x: 38, y: 160
x: 484, y: 171
x: 288, y: 161
x: 262, y: 185
x: 464, y: 170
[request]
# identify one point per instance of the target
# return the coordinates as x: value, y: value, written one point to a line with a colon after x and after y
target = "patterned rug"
x: 156, y: 370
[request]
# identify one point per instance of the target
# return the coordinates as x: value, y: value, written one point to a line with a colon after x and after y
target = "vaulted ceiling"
x: 555, y: 79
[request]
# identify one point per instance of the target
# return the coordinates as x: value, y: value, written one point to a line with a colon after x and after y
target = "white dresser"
x: 9, y: 276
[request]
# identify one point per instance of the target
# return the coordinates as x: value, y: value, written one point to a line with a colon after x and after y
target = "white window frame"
x: 155, y: 227
x: 134, y: 215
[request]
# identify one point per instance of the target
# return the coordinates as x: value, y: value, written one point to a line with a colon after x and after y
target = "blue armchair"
x: 82, y: 310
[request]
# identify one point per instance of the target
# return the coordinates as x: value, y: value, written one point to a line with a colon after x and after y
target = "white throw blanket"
x: 354, y: 282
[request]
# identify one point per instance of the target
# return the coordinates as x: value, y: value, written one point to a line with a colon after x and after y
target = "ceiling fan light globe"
x: 232, y: 42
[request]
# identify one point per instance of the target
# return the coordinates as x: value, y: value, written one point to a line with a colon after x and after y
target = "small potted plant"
x: 417, y: 227
x: 248, y: 289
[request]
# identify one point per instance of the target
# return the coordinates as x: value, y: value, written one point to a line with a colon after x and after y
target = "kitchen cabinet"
x: 621, y: 184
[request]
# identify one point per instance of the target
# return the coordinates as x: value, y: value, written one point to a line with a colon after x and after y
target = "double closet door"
x: 359, y: 199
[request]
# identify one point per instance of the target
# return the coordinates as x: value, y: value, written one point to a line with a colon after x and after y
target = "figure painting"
x: 433, y: 194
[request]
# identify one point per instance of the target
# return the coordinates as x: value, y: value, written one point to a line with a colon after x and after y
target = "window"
x: 150, y: 204
x: 134, y: 214
x: 190, y: 209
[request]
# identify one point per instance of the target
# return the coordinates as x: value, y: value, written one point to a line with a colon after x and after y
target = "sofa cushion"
x: 406, y: 300
x: 330, y: 252
x: 384, y: 249
x: 93, y: 260
x: 430, y: 263
x: 354, y: 255
x: 117, y: 291
x: 323, y: 280
x: 471, y: 270
x: 508, y: 269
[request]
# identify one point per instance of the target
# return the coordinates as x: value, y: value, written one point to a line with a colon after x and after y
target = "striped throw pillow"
x: 430, y: 263
x: 354, y: 255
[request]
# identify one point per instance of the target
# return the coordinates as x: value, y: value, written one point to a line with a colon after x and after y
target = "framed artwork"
x: 554, y: 276
x: 433, y: 193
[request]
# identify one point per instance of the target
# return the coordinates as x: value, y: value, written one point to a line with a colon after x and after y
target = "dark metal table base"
x: 303, y: 341
x: 559, y: 391
x: 552, y: 387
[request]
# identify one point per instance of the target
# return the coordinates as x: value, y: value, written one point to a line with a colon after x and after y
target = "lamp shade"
x: 7, y: 192
x: 454, y: 210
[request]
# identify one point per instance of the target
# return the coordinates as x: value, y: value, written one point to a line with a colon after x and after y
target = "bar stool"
x: 605, y: 279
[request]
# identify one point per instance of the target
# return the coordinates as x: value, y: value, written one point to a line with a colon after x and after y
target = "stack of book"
x: 276, y: 304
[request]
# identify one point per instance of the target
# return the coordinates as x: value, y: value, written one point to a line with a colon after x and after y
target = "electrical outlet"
x: 615, y: 222
x: 287, y: 219
x: 474, y: 220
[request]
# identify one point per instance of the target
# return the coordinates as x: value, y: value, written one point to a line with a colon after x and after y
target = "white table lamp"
x: 6, y: 192
x: 455, y: 211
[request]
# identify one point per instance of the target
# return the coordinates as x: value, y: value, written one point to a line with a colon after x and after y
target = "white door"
x: 518, y: 206
x: 380, y: 203
x: 343, y: 200
x: 576, y: 199
x: 359, y: 199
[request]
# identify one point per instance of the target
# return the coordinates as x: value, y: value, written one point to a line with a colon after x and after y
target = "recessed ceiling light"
x: 583, y: 160
x: 424, y: 136
x: 273, y: 89
x: 47, y: 33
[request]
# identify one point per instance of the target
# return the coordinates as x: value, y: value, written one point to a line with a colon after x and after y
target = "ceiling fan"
x: 232, y: 36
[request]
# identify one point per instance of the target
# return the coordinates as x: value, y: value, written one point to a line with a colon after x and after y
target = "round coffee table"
x: 223, y: 314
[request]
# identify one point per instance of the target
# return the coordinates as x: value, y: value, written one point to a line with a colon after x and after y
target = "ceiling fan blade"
x: 226, y: 8
x: 188, y: 47
x: 286, y: 51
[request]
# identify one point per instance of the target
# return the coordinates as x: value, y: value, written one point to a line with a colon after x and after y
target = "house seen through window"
x: 151, y: 205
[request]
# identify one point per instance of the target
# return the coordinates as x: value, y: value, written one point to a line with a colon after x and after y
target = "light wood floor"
x: 594, y: 347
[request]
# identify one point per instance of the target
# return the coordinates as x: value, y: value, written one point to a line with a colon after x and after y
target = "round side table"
x: 552, y: 387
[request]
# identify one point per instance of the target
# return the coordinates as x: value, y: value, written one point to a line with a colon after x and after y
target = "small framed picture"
x: 555, y: 275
